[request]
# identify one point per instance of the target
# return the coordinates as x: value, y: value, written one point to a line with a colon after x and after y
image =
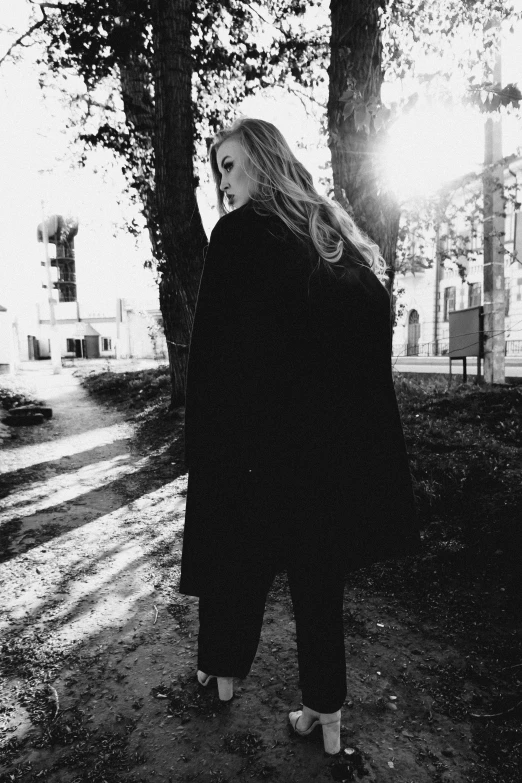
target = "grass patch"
x: 464, y: 441
x: 146, y: 396
x: 465, y: 444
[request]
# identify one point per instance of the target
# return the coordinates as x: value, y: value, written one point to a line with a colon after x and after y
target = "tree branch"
x: 19, y: 41
x: 267, y: 21
x: 56, y: 6
x: 504, y: 712
x: 90, y: 102
x: 303, y: 96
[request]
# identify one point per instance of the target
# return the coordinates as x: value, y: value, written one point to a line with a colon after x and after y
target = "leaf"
x: 348, y: 109
x: 362, y: 118
x: 510, y: 94
x: 381, y: 118
x: 412, y: 100
x: 347, y: 95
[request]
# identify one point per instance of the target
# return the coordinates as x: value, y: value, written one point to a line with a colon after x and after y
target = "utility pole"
x: 436, y: 314
x: 494, y: 229
x: 56, y: 355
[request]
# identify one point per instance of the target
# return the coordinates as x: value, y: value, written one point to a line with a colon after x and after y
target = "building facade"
x: 121, y: 329
x: 451, y: 275
x: 113, y: 328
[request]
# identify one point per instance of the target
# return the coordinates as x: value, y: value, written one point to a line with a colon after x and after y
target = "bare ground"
x: 98, y: 650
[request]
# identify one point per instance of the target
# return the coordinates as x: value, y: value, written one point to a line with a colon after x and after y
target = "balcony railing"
x: 441, y: 348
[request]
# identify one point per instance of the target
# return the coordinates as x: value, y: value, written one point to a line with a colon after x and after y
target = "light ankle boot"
x: 225, y: 688
x: 331, y: 723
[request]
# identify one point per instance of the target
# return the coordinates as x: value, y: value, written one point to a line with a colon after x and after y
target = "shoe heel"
x: 225, y: 688
x: 332, y: 737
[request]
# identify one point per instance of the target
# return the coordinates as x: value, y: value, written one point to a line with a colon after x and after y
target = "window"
x: 70, y: 345
x: 67, y: 292
x: 449, y: 301
x: 413, y: 333
x: 507, y: 293
x: 474, y: 294
x: 106, y: 344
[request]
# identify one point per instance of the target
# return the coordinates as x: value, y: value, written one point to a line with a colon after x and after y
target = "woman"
x: 293, y: 439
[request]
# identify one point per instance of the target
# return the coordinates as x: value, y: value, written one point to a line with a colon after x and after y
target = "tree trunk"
x: 356, y: 55
x: 494, y: 234
x: 182, y: 237
x: 139, y: 115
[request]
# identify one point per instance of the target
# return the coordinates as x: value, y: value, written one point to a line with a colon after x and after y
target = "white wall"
x: 5, y: 341
x: 419, y: 294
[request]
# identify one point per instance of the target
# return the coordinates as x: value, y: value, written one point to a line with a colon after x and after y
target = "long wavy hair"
x: 280, y: 185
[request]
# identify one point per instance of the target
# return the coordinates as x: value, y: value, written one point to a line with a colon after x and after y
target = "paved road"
x: 440, y: 365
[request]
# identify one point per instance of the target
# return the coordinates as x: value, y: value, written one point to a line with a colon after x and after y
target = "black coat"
x: 293, y: 435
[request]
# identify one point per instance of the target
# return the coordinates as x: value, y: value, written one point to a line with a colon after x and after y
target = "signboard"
x: 466, y: 333
x: 103, y: 309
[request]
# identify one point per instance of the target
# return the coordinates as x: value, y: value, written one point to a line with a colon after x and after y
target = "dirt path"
x: 98, y: 648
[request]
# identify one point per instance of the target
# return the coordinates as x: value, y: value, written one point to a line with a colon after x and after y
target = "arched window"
x: 413, y: 333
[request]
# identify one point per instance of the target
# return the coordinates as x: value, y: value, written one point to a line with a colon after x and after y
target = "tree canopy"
x: 238, y: 47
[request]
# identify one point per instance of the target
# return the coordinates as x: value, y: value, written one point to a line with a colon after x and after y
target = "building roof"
x: 84, y: 329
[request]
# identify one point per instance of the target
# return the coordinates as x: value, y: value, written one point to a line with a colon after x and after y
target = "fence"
x: 441, y: 348
x: 513, y: 347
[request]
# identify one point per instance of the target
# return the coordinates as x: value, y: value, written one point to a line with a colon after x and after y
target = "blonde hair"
x: 280, y: 185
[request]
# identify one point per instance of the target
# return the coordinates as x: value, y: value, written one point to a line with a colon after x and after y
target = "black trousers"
x: 230, y: 629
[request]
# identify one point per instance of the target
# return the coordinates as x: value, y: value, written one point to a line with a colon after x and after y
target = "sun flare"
x: 429, y: 147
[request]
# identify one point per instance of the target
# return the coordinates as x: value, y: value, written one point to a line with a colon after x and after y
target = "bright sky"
x: 426, y: 148
x: 434, y: 144
x: 37, y: 162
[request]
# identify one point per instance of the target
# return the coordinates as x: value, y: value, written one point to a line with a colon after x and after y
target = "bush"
x: 13, y: 394
x: 133, y: 389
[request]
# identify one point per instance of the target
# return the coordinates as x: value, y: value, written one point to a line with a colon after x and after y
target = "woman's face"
x: 234, y: 179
